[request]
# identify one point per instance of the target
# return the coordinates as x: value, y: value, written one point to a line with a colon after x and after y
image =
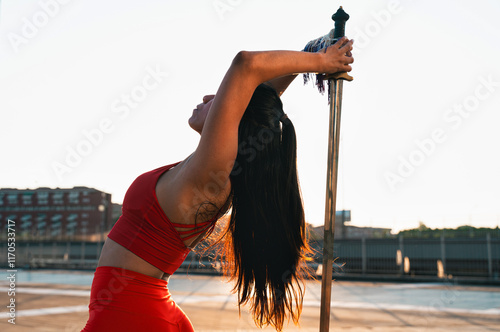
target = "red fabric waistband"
x: 118, y: 272
x: 124, y: 273
x: 114, y: 280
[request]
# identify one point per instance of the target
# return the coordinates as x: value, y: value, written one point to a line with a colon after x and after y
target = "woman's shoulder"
x: 181, y: 197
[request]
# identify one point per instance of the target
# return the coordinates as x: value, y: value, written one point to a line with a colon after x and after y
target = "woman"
x: 245, y: 161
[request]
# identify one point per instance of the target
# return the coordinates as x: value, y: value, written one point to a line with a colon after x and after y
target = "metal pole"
x: 401, y: 249
x: 363, y: 255
x: 443, y: 252
x: 490, y: 261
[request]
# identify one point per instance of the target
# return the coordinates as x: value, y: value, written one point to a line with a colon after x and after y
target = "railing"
x: 394, y: 257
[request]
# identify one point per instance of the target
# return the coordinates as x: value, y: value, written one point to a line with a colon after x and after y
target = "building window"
x: 26, y: 222
x: 12, y: 199
x: 27, y: 198
x: 1, y: 198
x: 84, y: 224
x: 9, y: 217
x: 43, y: 197
x: 56, y: 217
x: 73, y: 197
x: 57, y: 198
x: 72, y: 221
x: 84, y: 229
x: 85, y: 198
x: 56, y: 225
x: 41, y: 223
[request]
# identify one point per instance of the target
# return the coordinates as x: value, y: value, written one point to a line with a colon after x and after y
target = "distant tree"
x: 422, y: 227
x: 422, y: 231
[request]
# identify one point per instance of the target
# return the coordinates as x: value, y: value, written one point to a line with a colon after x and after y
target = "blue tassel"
x: 315, y: 46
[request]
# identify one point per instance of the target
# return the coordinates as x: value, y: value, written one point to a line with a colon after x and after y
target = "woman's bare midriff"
x: 116, y: 255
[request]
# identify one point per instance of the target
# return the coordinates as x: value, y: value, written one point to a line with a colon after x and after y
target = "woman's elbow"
x: 244, y: 60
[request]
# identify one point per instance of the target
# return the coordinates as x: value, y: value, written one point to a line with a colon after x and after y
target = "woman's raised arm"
x: 218, y: 147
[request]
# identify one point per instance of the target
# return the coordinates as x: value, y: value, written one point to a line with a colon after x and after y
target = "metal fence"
x: 439, y: 258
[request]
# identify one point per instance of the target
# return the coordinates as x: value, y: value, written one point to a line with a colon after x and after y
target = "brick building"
x: 45, y: 213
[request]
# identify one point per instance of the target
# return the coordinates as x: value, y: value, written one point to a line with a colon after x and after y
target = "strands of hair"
x: 264, y: 247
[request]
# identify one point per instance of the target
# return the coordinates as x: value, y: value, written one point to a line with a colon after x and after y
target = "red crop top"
x: 145, y: 230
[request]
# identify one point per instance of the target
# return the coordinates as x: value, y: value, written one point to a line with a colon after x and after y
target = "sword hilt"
x: 339, y: 76
x: 340, y: 17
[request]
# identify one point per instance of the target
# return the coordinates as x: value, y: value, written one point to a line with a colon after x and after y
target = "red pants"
x: 123, y: 300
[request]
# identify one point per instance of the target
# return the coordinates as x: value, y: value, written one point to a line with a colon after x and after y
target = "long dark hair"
x: 264, y: 245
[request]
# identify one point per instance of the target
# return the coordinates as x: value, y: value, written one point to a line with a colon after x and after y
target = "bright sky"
x: 95, y: 93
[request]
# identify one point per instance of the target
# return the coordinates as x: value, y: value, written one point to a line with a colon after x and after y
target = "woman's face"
x: 197, y: 119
